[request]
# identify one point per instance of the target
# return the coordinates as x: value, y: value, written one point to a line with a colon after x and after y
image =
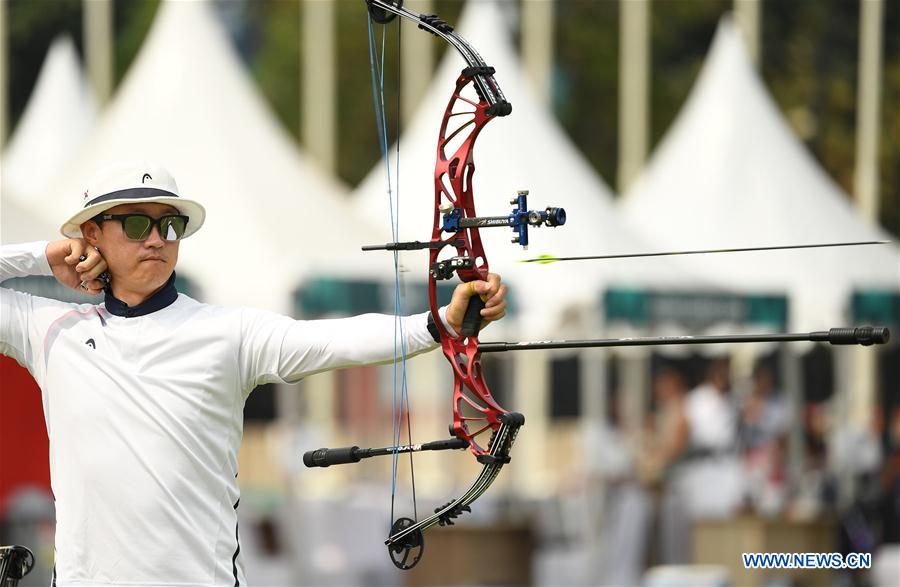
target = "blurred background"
x: 658, y: 125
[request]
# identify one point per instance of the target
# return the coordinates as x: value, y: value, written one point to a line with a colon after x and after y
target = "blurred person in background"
x: 711, y: 415
x: 710, y: 482
x: 854, y: 487
x: 815, y: 487
x: 666, y: 440
x: 889, y: 506
x: 765, y: 413
x: 667, y: 433
x: 143, y: 394
x: 626, y: 507
x: 765, y: 419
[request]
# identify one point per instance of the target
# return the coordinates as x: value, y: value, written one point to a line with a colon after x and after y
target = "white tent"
x: 729, y: 173
x: 526, y: 150
x: 272, y: 217
x: 57, y: 119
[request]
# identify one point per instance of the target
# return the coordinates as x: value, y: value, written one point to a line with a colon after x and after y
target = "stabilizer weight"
x: 863, y: 335
x: 325, y: 457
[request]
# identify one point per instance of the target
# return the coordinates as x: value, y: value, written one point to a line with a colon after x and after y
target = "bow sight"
x: 518, y: 219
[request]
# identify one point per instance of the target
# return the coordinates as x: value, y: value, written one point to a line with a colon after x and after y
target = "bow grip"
x: 325, y: 457
x: 472, y: 320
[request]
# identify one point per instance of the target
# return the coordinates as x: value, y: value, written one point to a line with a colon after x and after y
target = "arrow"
x: 546, y: 259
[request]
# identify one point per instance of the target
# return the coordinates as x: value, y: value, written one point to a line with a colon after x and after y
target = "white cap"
x: 127, y: 183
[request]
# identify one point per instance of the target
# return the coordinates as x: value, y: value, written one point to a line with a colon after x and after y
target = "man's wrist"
x: 433, y: 329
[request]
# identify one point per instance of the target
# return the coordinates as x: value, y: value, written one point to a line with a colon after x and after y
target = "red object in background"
x: 24, y: 447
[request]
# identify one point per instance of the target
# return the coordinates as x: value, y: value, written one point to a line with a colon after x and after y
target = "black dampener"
x: 863, y: 335
x: 325, y: 457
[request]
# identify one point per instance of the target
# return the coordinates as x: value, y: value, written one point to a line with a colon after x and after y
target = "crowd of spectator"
x: 708, y: 452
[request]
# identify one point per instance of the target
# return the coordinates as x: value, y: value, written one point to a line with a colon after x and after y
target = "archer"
x: 143, y: 394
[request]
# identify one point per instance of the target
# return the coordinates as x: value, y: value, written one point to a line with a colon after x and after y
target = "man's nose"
x: 154, y: 239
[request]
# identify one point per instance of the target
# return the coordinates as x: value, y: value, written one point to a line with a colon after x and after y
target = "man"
x: 143, y: 394
x: 711, y: 479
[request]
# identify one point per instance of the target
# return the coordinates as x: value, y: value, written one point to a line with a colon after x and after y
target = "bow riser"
x: 474, y: 408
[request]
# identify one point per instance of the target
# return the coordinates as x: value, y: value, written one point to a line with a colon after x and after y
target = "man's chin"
x: 154, y: 273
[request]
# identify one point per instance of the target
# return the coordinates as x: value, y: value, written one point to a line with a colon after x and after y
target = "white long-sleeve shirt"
x: 145, y: 418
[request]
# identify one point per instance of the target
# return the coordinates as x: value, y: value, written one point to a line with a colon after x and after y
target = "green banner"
x: 693, y: 309
x: 877, y: 308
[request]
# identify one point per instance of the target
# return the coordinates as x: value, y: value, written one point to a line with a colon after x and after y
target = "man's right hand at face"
x: 65, y: 258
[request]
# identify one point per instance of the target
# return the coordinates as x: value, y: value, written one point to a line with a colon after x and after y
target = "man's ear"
x: 90, y: 230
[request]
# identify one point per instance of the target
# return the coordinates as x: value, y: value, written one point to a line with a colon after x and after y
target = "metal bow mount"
x: 479, y: 422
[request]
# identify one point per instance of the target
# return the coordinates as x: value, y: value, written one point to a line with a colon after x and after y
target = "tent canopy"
x: 525, y: 150
x: 57, y: 119
x: 730, y: 173
x: 272, y: 217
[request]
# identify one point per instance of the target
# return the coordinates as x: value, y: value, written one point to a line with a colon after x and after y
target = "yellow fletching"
x: 542, y: 259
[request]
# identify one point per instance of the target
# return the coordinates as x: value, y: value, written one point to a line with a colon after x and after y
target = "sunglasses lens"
x: 171, y: 228
x: 137, y: 228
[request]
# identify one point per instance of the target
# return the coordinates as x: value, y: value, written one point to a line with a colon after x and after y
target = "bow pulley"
x: 15, y: 563
x: 406, y: 552
x: 380, y: 13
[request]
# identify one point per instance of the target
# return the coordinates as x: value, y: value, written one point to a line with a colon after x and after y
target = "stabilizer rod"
x: 325, y: 457
x: 863, y: 335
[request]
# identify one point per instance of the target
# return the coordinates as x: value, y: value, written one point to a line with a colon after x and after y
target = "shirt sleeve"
x: 24, y: 260
x: 16, y: 308
x: 278, y: 349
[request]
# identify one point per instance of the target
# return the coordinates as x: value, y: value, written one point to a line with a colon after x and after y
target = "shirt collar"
x: 164, y: 297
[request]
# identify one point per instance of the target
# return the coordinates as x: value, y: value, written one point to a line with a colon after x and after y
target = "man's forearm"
x: 23, y: 260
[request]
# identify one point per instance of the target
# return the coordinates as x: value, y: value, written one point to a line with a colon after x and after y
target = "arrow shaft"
x: 706, y: 251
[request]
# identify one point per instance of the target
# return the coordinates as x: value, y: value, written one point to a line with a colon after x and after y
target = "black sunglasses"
x: 137, y: 227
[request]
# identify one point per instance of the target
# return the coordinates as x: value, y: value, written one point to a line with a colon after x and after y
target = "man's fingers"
x: 81, y: 254
x: 497, y: 297
x: 76, y: 251
x: 94, y: 273
x: 88, y: 271
x: 491, y: 286
x: 494, y: 313
x: 492, y: 291
x: 91, y: 264
x: 494, y: 317
x: 92, y: 287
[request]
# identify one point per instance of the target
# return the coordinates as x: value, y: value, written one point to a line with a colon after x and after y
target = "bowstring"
x: 377, y: 73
